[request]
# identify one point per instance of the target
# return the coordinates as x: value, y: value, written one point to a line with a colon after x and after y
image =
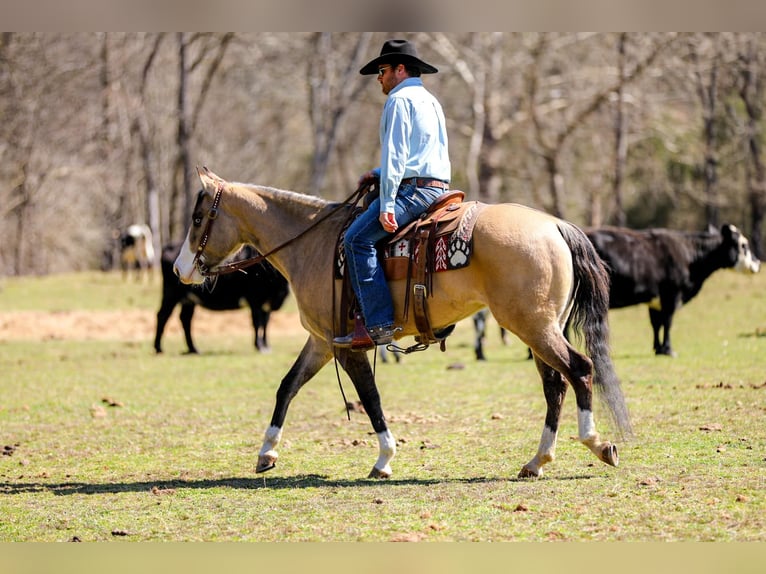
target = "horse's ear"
x: 207, y: 177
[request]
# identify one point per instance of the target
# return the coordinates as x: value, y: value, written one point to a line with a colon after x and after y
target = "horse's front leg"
x: 313, y: 357
x: 357, y: 365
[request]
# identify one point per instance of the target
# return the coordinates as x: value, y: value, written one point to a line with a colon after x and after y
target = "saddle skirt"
x: 450, y: 229
x: 450, y: 242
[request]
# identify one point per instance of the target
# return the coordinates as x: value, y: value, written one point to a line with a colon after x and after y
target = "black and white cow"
x: 263, y: 288
x: 136, y: 250
x: 665, y: 268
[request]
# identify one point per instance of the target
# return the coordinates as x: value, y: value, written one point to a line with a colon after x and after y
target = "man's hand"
x: 367, y: 178
x: 388, y: 221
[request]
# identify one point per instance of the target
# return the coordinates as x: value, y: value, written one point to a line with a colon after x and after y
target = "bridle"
x: 212, y: 215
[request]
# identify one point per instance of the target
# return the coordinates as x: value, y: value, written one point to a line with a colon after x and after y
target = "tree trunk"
x: 182, y: 140
x: 707, y: 90
x: 329, y: 106
x: 555, y: 183
x: 22, y: 201
x: 620, y: 141
x: 751, y: 93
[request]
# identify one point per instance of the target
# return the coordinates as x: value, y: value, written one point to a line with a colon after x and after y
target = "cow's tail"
x: 590, y: 317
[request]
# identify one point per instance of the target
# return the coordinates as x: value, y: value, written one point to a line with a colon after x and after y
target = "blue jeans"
x: 362, y: 265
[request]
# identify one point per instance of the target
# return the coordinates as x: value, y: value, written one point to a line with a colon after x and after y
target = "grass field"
x: 104, y: 440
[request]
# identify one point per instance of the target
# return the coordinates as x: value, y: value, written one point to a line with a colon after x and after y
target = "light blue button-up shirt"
x: 413, y: 139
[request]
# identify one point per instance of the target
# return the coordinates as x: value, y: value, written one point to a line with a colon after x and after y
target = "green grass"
x: 175, y: 461
x: 89, y: 291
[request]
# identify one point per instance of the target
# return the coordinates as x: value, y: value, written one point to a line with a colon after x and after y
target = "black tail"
x: 590, y: 317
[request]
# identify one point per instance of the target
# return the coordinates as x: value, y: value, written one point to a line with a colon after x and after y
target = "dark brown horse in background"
x: 533, y: 271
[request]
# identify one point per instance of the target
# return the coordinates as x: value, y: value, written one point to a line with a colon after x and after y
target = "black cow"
x: 480, y: 328
x: 263, y: 288
x: 665, y: 269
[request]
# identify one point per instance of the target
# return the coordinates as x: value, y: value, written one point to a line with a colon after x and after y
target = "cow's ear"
x: 727, y: 231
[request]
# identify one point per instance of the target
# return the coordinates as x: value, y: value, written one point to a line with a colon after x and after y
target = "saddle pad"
x: 452, y: 245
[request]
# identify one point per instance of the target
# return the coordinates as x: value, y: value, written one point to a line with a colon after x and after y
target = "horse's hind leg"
x: 358, y: 368
x: 578, y: 370
x: 580, y: 375
x: 555, y: 389
x: 312, y: 358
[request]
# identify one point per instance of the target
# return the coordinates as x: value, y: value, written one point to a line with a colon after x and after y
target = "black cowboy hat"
x: 401, y: 52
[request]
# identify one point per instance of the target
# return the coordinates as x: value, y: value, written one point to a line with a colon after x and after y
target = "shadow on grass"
x: 256, y: 483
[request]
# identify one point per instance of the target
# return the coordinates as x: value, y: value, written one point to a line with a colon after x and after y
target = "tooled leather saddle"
x: 439, y: 240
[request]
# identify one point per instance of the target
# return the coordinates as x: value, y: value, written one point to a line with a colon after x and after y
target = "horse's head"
x: 213, y: 235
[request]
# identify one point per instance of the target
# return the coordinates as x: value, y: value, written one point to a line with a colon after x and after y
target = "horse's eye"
x: 197, y: 220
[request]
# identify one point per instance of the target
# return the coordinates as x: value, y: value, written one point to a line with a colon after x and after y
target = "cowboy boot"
x: 358, y: 340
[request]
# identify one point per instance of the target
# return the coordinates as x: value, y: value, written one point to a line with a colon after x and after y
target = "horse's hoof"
x: 528, y: 473
x: 609, y: 454
x: 377, y: 473
x: 265, y: 462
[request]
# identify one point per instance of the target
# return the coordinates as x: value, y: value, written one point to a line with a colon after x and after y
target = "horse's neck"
x: 271, y: 218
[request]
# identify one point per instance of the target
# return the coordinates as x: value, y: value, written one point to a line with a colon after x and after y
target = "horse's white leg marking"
x: 585, y: 425
x: 271, y: 439
x: 546, y: 452
x: 387, y: 452
x: 184, y: 265
x: 268, y: 456
x: 604, y: 450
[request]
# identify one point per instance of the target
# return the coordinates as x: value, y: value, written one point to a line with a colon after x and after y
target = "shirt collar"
x: 405, y: 83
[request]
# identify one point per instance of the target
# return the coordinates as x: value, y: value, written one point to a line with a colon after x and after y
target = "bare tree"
x: 98, y: 130
x: 334, y: 83
x: 210, y: 51
x: 140, y: 128
x: 565, y: 116
x: 620, y: 139
x: 486, y: 63
x: 751, y: 91
x: 706, y: 74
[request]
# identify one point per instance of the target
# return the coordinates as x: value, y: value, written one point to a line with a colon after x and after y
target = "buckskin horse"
x: 533, y: 271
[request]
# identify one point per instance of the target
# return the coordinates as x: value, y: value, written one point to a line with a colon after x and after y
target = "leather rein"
x: 212, y: 215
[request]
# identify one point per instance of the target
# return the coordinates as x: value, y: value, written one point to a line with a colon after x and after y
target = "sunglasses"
x: 382, y: 70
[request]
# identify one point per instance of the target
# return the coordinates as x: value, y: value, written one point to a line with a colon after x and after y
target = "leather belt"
x: 425, y: 182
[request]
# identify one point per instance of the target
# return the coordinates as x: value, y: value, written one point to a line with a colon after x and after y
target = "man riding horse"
x: 414, y: 171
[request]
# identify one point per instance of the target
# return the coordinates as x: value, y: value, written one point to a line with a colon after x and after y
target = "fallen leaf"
x: 156, y: 491
x: 651, y: 481
x: 554, y: 535
x: 408, y: 537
